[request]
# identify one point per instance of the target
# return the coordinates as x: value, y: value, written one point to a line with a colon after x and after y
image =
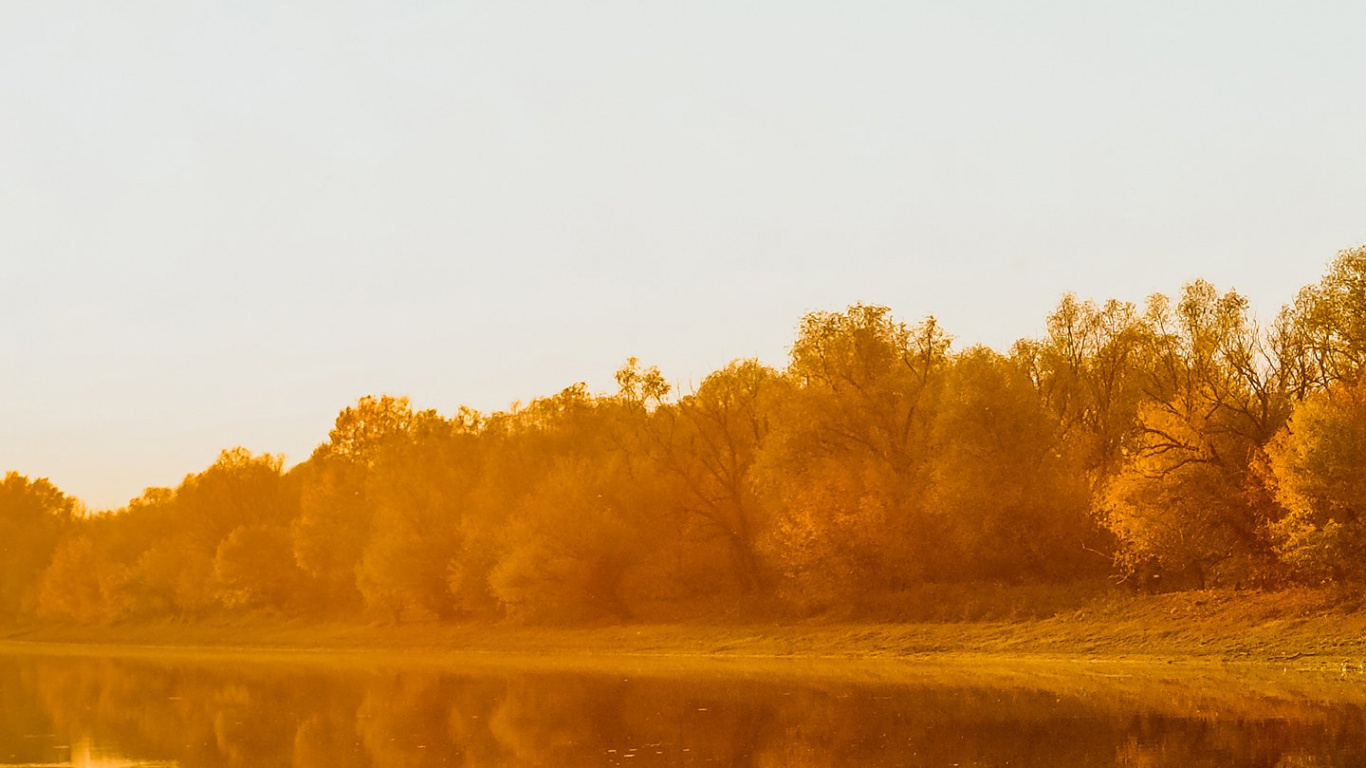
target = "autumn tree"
x: 1014, y: 501
x: 1187, y: 500
x: 1090, y: 368
x: 238, y: 490
x: 590, y: 517
x: 33, y: 515
x: 70, y: 586
x: 707, y: 444
x: 254, y: 568
x: 846, y: 470
x: 334, y: 521
x: 150, y: 567
x: 420, y: 491
x: 1189, y: 442
x: 518, y: 446
x: 1318, y: 465
x: 1328, y: 321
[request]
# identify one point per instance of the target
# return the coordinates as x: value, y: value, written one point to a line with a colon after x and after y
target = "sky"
x: 221, y: 223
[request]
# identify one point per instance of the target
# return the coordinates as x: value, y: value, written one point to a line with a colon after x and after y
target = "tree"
x: 254, y: 567
x: 641, y: 386
x: 1180, y: 507
x: 573, y: 543
x: 335, y: 517
x: 707, y: 444
x: 1090, y: 369
x: 420, y: 490
x: 33, y: 515
x: 153, y: 567
x: 846, y: 470
x: 363, y: 430
x: 70, y: 586
x: 1188, y: 499
x: 166, y: 579
x: 1318, y: 465
x: 1330, y: 321
x: 239, y: 489
x: 591, y: 520
x: 1013, y: 500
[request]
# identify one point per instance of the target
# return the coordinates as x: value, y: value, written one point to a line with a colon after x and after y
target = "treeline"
x: 1180, y: 444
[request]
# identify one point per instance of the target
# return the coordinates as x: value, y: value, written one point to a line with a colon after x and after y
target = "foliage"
x: 419, y: 492
x: 706, y: 446
x: 591, y: 514
x: 1012, y: 497
x: 33, y: 515
x: 846, y: 470
x: 335, y: 516
x: 1328, y: 322
x: 1183, y: 444
x: 254, y: 567
x: 1318, y: 464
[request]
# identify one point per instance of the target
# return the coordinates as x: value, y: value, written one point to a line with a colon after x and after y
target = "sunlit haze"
x: 222, y: 223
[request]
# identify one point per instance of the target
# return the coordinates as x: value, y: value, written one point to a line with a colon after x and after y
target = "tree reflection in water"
x: 104, y: 713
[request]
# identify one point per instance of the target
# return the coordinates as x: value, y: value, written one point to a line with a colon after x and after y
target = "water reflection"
x: 104, y: 713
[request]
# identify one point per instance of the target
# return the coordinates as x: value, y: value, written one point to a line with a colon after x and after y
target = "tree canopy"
x: 1181, y: 443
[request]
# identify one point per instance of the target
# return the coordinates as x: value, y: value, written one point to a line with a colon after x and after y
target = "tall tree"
x: 1318, y: 467
x: 335, y: 517
x: 1330, y: 320
x: 33, y: 514
x: 1090, y: 370
x: 590, y: 523
x: 1187, y: 499
x: 1013, y: 499
x: 707, y: 444
x: 238, y: 489
x: 420, y: 490
x: 847, y: 467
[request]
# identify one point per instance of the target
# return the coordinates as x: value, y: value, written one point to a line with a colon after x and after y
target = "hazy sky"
x: 220, y: 223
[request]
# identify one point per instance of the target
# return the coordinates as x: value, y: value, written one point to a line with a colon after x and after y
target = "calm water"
x: 124, y: 712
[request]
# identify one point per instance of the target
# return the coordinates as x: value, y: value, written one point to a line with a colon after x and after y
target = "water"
x: 106, y: 712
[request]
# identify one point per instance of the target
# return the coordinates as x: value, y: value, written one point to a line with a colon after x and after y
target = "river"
x: 90, y: 711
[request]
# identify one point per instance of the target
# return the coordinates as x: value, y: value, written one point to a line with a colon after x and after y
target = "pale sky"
x: 220, y: 223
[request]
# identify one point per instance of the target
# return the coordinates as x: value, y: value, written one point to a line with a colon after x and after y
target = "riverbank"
x: 1306, y: 629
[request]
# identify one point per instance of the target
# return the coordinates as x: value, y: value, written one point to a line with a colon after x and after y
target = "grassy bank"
x: 1313, y: 629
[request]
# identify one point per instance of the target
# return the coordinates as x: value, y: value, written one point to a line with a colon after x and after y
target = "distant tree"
x: 575, y: 541
x: 238, y: 489
x: 153, y: 564
x: 518, y: 449
x: 362, y: 431
x: 641, y: 386
x: 1190, y: 442
x: 167, y: 579
x: 1090, y: 369
x: 1180, y: 507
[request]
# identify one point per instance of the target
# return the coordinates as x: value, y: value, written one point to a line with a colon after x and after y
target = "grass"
x: 1301, y: 629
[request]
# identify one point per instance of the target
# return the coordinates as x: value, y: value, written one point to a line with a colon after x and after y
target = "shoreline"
x: 1304, y: 629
